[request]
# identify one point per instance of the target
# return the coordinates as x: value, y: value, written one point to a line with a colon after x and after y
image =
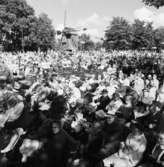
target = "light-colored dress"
x: 131, y: 152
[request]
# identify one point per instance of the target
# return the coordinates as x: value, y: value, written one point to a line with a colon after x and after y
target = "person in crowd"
x: 130, y: 152
x: 59, y: 146
x: 50, y: 106
x: 156, y: 156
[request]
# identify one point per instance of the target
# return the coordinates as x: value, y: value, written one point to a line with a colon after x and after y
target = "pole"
x: 63, y: 33
x: 65, y: 18
x: 19, y: 63
x: 22, y: 41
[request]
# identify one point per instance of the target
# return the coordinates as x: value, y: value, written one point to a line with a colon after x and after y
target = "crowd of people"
x: 82, y: 109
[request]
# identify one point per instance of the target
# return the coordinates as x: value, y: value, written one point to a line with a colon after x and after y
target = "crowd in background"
x: 83, y: 109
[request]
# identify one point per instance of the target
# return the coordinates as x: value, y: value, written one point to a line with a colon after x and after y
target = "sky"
x: 95, y: 15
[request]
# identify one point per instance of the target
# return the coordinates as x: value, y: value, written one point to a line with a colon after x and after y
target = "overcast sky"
x: 96, y: 14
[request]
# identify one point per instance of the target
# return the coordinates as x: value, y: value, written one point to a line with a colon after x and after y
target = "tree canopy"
x: 118, y: 34
x: 142, y: 35
x: 45, y: 33
x: 155, y: 3
x: 85, y: 42
x: 138, y: 35
x: 20, y: 29
x: 159, y: 38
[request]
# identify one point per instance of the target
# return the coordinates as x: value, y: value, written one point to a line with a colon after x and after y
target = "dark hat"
x: 25, y: 84
x: 104, y: 91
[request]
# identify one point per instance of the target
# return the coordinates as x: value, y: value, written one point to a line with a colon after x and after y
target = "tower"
x: 68, y: 41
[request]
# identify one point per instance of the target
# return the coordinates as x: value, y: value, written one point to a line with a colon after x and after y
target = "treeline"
x: 122, y: 35
x: 21, y: 29
x: 155, y: 3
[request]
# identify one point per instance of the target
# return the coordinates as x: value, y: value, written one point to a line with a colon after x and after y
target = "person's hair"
x: 58, y: 107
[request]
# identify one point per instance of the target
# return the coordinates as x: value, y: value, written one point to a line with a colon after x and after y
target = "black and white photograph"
x: 81, y: 83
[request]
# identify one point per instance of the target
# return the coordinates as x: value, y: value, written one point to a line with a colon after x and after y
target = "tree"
x: 12, y: 17
x: 118, y: 35
x: 45, y: 33
x: 143, y: 35
x: 30, y: 41
x: 98, y: 45
x: 159, y: 38
x: 85, y: 42
x: 20, y: 29
x: 155, y: 3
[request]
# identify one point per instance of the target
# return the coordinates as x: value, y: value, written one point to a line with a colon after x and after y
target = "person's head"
x: 104, y: 92
x: 154, y: 76
x: 149, y: 77
x: 155, y: 107
x: 56, y: 127
x: 161, y: 138
x: 125, y: 76
x: 136, y: 129
x: 116, y: 96
x: 73, y: 104
x: 97, y: 127
x: 110, y: 119
x: 128, y: 99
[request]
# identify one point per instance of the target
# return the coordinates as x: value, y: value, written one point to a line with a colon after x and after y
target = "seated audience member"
x: 130, y: 152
